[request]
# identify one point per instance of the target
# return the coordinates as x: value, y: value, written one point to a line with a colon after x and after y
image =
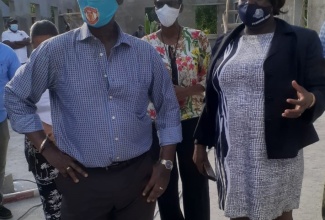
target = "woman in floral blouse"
x: 186, y: 53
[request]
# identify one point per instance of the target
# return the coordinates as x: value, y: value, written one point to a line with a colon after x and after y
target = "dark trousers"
x: 196, y: 199
x: 114, y: 193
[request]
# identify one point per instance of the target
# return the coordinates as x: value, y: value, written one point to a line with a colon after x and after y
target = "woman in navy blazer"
x: 265, y: 88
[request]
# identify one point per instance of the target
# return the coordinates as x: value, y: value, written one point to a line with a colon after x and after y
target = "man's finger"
x: 79, y: 170
x: 72, y: 174
x: 155, y: 193
x: 149, y: 186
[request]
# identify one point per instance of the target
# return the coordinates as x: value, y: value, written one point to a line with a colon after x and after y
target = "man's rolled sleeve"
x: 24, y: 91
x: 170, y: 136
x: 163, y: 97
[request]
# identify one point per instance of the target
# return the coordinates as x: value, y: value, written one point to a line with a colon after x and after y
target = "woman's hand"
x: 200, y: 157
x: 305, y: 100
x: 181, y: 93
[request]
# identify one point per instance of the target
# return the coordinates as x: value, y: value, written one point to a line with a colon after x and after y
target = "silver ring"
x: 161, y: 188
x: 68, y: 168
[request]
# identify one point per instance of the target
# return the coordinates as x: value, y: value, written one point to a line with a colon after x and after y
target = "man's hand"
x: 200, y: 157
x: 304, y: 101
x: 160, y: 175
x: 66, y: 165
x: 158, y: 182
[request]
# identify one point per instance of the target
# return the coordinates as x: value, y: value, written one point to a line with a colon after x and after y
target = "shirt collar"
x: 84, y: 33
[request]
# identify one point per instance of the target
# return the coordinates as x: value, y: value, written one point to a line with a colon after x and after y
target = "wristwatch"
x: 167, y: 163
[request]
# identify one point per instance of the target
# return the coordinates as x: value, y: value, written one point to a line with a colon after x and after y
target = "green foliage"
x: 304, y: 17
x: 146, y: 25
x: 6, y: 2
x: 206, y: 18
x: 150, y: 26
x: 33, y: 8
x: 151, y: 13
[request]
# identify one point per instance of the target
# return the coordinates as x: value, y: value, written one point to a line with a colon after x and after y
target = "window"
x: 54, y: 15
x: 34, y: 11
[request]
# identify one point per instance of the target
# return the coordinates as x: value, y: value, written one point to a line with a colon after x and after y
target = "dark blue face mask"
x: 254, y: 15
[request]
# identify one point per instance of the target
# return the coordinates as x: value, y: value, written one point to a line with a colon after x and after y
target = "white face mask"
x: 167, y: 15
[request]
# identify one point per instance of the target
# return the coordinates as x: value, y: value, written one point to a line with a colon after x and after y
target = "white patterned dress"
x: 249, y: 184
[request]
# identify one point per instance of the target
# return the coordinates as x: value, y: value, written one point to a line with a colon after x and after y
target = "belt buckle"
x: 112, y: 165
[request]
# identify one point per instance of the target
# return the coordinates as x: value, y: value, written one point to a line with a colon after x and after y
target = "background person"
x: 9, y: 63
x: 44, y: 173
x: 100, y: 82
x: 265, y: 88
x: 186, y: 55
x: 16, y: 39
x: 140, y: 32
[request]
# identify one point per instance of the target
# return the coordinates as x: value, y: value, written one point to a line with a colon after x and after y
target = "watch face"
x: 169, y: 165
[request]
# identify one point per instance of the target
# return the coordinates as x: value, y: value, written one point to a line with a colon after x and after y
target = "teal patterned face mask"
x: 97, y: 13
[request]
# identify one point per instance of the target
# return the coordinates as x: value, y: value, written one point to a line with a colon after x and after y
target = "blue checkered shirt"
x: 99, y: 103
x: 322, y: 38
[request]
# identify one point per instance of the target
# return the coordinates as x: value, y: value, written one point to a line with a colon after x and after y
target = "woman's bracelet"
x: 313, y: 102
x: 42, y: 147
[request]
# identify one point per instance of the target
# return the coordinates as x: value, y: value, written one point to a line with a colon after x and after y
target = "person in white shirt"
x: 16, y: 39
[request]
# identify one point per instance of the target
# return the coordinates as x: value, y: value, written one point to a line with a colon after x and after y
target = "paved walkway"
x: 310, y: 208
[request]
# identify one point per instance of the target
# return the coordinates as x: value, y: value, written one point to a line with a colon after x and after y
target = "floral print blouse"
x: 192, y: 58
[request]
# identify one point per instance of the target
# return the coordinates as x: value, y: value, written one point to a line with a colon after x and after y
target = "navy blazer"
x: 295, y: 54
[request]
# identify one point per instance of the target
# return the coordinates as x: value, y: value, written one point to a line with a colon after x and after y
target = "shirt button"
x: 113, y: 117
x: 116, y: 138
x: 117, y: 158
x: 111, y: 97
x: 101, y: 54
x: 105, y: 76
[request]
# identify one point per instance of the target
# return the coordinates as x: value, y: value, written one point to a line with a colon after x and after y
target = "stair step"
x: 233, y: 12
x: 232, y: 26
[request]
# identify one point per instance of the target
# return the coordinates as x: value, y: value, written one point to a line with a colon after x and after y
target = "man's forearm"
x: 168, y: 152
x: 23, y: 42
x: 13, y: 45
x: 36, y: 138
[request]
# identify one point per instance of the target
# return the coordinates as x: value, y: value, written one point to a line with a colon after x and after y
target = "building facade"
x: 309, y: 13
x: 29, y: 11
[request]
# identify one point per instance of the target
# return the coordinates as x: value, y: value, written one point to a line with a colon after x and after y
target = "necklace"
x: 171, y: 56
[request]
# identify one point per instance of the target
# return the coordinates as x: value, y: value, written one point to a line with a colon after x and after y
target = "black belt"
x: 123, y: 164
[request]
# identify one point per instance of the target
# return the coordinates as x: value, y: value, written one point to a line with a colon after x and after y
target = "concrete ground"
x: 311, y: 198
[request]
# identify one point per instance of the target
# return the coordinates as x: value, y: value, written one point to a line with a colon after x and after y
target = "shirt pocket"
x: 142, y: 102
